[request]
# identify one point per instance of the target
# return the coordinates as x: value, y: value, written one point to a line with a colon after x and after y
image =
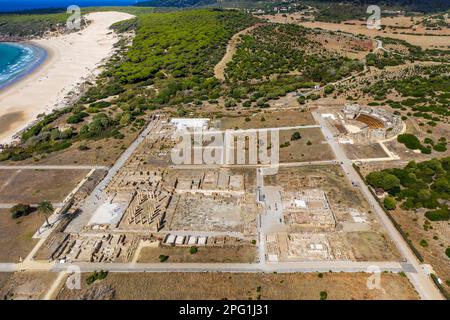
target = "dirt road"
x: 219, y: 69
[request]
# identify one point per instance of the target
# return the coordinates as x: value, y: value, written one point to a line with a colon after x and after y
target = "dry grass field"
x: 241, y: 286
x: 361, y: 151
x: 312, y: 146
x: 26, y: 285
x: 33, y: 186
x: 228, y: 254
x: 267, y: 119
x: 367, y: 245
x: 16, y: 235
x: 4, y: 277
x: 436, y: 234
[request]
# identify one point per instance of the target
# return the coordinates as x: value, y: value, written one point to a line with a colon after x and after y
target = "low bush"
x: 441, y: 214
x: 96, y: 276
x: 20, y: 210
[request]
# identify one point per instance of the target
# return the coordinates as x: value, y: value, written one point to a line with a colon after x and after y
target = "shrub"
x: 440, y: 147
x: 193, y: 250
x: 308, y: 143
x: 389, y: 203
x: 441, y: 214
x: 20, y: 210
x: 163, y: 258
x: 323, y: 295
x: 247, y: 104
x: 296, y: 136
x: 447, y: 252
x: 409, y: 140
x: 328, y: 89
x: 77, y: 117
x: 83, y: 147
x: 423, y: 243
x: 100, y: 104
x: 96, y: 276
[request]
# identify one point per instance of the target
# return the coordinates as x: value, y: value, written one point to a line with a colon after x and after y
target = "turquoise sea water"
x: 19, y: 5
x: 17, y: 60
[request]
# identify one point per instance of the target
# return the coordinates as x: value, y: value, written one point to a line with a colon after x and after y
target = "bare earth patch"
x: 243, y: 286
x: 16, y: 235
x: 312, y: 146
x: 27, y: 285
x: 267, y: 119
x: 229, y: 254
x: 33, y: 186
x: 364, y: 151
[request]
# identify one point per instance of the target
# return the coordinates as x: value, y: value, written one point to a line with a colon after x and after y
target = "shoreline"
x: 42, y: 55
x: 71, y: 60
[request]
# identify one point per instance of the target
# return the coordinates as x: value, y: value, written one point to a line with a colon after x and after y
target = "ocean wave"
x: 29, y: 58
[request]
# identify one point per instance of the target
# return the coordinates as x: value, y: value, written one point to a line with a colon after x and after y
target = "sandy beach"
x: 72, y: 59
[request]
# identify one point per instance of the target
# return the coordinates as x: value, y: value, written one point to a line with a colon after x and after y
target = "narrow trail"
x: 219, y: 69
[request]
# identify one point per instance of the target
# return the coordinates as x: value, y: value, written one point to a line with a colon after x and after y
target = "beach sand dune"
x: 72, y: 58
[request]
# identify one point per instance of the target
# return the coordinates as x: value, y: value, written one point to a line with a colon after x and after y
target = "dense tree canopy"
x: 418, y: 185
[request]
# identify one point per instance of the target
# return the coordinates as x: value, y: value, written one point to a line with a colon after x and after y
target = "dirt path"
x: 219, y: 69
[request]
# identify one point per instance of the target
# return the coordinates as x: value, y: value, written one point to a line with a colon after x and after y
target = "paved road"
x: 53, y: 167
x: 304, y: 266
x: 421, y: 281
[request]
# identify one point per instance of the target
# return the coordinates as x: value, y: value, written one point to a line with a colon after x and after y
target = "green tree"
x: 378, y: 179
x: 45, y: 208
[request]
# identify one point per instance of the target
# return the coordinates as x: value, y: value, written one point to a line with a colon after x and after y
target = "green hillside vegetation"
x: 35, y: 23
x: 171, y: 61
x: 25, y: 25
x: 338, y: 12
x: 278, y: 58
x: 384, y: 60
x: 282, y: 48
x: 415, y: 53
x: 413, y: 143
x: 426, y: 94
x: 417, y: 185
